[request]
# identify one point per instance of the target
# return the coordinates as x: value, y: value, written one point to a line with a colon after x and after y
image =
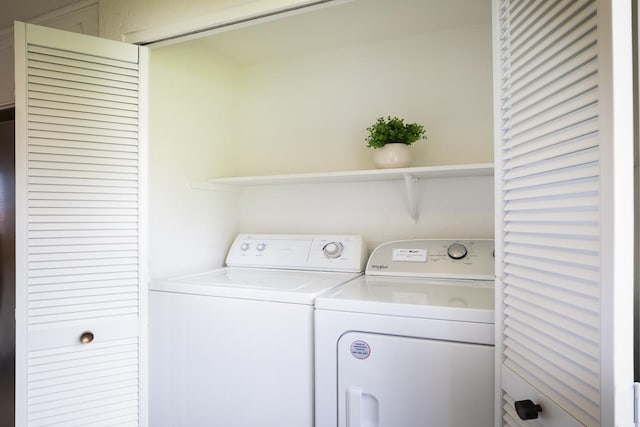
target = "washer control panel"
x: 342, y: 253
x: 455, y: 259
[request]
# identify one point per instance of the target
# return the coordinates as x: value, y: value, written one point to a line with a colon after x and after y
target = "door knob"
x: 86, y: 337
x: 527, y: 410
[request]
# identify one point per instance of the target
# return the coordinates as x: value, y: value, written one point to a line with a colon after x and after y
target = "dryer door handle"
x: 362, y: 408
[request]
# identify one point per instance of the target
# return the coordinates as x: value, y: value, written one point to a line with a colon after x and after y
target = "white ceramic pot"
x: 395, y: 155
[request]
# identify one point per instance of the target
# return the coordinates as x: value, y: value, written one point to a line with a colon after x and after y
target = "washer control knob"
x: 457, y: 251
x: 244, y: 247
x: 333, y: 250
x: 261, y: 247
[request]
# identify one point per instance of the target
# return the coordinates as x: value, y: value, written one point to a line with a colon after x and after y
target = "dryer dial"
x: 457, y: 251
x: 333, y: 250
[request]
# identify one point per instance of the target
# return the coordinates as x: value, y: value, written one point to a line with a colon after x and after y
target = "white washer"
x: 234, y: 346
x: 410, y: 343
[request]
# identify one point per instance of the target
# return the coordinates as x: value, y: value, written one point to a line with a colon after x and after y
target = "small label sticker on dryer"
x: 360, y: 349
x: 409, y: 255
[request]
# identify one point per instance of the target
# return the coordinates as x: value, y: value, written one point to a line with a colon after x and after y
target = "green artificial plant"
x: 393, y: 130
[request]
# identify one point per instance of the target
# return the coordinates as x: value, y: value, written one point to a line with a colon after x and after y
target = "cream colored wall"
x: 189, y: 230
x: 310, y: 113
x: 448, y: 208
x: 211, y: 116
x: 192, y: 119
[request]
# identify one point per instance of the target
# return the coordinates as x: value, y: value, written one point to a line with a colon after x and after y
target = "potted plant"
x: 391, y: 138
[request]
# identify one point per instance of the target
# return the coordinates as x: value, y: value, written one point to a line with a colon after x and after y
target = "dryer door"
x: 386, y: 380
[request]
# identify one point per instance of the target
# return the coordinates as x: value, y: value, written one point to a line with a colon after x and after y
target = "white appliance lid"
x: 274, y: 285
x: 445, y: 299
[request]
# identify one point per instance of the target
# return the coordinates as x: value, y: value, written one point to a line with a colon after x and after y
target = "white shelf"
x: 410, y: 176
x: 481, y: 169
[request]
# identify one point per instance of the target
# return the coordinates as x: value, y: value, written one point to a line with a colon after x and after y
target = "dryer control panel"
x: 454, y: 259
x: 341, y: 253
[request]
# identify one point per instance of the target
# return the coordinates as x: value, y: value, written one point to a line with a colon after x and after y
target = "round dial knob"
x: 332, y: 249
x: 261, y: 247
x: 244, y: 247
x: 457, y: 251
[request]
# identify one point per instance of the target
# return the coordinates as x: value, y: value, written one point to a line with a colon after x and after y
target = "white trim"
x: 222, y: 20
x: 143, y: 236
x: 636, y: 279
x: 636, y: 403
x: 498, y: 203
x: 616, y: 112
x: 20, y: 36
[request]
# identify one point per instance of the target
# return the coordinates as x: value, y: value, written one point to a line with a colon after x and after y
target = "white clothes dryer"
x: 234, y: 346
x: 410, y: 343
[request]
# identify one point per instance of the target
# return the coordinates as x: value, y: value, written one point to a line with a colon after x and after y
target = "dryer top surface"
x: 445, y: 299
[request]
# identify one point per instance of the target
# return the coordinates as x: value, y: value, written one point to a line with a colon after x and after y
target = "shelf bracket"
x: 410, y: 184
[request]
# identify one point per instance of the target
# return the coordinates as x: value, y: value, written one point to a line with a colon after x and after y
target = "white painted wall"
x: 310, y: 112
x: 448, y: 208
x: 191, y: 120
x: 221, y: 112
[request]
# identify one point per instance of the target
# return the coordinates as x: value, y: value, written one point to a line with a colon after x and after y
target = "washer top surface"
x: 284, y: 268
x: 287, y: 286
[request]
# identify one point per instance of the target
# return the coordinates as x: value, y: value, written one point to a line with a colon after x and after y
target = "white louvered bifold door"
x: 80, y: 166
x: 554, y: 233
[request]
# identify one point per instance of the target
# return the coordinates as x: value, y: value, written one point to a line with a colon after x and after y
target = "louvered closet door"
x: 79, y: 204
x: 555, y: 204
